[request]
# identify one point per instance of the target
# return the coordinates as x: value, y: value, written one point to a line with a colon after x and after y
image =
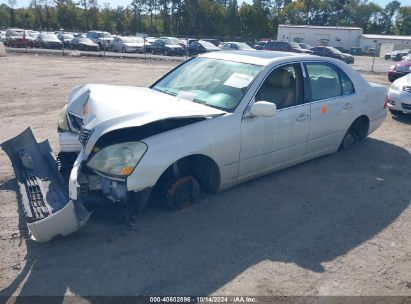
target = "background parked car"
x: 103, y: 39
x: 65, y: 38
x: 166, y: 47
x: 399, y: 95
x: 186, y: 41
x: 148, y: 41
x: 18, y: 38
x: 83, y: 44
x: 372, y: 52
x: 200, y: 47
x: 175, y: 40
x: 127, y: 45
x: 398, y: 55
x: 260, y: 45
x: 285, y: 46
x: 3, y: 36
x: 305, y: 46
x: 216, y: 42
x: 401, y: 69
x: 235, y: 46
x: 329, y: 51
x: 49, y: 41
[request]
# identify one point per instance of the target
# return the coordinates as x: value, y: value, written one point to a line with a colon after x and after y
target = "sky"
x: 115, y: 3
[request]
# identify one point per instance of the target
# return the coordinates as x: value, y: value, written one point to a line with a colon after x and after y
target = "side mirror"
x: 263, y: 109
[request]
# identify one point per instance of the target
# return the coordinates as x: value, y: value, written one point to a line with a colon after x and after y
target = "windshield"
x: 170, y: 41
x: 80, y: 39
x: 48, y: 36
x: 208, y: 45
x: 105, y: 35
x: 16, y: 33
x: 295, y: 45
x: 131, y: 39
x: 334, y: 50
x: 216, y: 83
x: 243, y: 46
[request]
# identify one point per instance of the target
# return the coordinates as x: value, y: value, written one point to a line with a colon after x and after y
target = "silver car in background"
x: 399, y: 95
x: 127, y: 45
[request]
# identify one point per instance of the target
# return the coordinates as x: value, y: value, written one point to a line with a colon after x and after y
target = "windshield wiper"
x: 166, y: 91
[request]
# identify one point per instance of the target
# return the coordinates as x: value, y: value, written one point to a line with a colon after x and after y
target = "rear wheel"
x: 123, y: 49
x: 166, y: 52
x: 356, y: 132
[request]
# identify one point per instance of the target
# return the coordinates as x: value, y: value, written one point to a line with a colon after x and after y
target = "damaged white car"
x: 213, y: 122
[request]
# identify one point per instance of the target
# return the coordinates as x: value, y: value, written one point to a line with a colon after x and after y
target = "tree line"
x: 206, y: 18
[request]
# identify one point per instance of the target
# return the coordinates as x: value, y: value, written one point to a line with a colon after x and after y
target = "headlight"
x: 118, y: 159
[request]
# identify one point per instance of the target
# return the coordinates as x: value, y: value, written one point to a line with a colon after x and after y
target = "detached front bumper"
x: 45, y: 201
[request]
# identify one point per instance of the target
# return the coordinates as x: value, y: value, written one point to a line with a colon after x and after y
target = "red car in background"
x: 18, y: 38
x: 402, y: 68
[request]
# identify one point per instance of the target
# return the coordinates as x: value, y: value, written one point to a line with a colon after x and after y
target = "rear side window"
x: 347, y: 86
x: 327, y: 81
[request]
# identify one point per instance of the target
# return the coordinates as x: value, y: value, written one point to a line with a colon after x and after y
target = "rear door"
x: 333, y: 106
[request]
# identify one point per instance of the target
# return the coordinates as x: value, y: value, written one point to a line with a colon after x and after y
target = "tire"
x: 152, y: 51
x: 123, y: 50
x: 181, y: 192
x: 166, y: 52
x: 355, y: 133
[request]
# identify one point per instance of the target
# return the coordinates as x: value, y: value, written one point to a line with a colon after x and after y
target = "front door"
x: 271, y: 142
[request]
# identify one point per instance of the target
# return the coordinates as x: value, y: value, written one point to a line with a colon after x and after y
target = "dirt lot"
x: 337, y: 225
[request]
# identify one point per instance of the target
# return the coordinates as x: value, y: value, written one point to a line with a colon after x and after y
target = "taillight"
x: 385, y: 102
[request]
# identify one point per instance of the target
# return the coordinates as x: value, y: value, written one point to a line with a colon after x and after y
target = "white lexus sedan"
x: 399, y: 95
x: 213, y: 122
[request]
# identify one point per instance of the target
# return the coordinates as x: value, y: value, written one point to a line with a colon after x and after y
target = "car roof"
x: 253, y: 56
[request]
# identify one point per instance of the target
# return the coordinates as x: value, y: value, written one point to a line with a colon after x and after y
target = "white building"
x: 336, y: 36
x: 385, y: 42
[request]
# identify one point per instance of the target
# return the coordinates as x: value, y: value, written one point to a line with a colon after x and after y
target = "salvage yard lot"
x: 337, y: 225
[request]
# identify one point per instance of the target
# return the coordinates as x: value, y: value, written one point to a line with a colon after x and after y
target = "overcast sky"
x: 115, y: 3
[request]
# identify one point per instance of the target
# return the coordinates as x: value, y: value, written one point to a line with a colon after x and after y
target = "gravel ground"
x: 337, y: 225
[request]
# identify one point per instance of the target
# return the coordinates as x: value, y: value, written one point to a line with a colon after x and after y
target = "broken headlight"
x: 118, y: 159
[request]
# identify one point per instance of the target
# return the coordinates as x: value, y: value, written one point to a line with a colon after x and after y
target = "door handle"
x: 302, y: 117
x: 347, y: 106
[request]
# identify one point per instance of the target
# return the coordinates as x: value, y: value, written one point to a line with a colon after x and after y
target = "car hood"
x: 115, y: 107
x: 404, y: 63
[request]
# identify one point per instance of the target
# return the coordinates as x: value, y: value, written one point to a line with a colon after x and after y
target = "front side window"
x: 284, y: 87
x: 327, y: 81
x: 216, y: 83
